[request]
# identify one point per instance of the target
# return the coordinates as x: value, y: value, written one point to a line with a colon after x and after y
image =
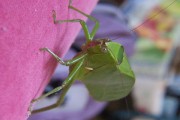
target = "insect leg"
x: 96, y: 26
x: 89, y: 36
x: 65, y: 87
x: 68, y: 62
x: 83, y: 24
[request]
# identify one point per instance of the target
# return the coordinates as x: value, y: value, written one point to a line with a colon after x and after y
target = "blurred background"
x: 153, y: 49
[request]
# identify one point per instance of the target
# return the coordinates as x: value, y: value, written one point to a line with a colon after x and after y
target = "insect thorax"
x: 97, y: 42
x: 99, y: 53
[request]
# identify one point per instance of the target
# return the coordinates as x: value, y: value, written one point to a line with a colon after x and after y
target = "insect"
x: 102, y: 66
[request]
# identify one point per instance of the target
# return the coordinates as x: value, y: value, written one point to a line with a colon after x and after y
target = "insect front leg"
x: 89, y: 36
x: 96, y: 26
x: 65, y: 87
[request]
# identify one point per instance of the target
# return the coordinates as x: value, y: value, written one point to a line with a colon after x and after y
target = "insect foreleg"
x: 96, y: 26
x: 65, y: 87
x: 83, y: 24
x: 89, y: 36
x: 68, y: 62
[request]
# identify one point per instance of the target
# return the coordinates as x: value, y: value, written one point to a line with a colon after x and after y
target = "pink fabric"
x: 26, y: 26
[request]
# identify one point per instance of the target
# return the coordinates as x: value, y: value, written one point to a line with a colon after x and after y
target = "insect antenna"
x: 128, y: 108
x: 153, y: 16
x: 150, y: 18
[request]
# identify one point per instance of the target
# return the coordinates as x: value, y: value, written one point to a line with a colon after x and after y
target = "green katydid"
x: 102, y: 66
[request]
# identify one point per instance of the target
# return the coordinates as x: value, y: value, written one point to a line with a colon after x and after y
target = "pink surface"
x: 26, y: 26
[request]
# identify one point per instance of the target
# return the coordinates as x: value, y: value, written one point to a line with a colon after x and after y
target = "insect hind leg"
x: 58, y: 102
x: 65, y: 87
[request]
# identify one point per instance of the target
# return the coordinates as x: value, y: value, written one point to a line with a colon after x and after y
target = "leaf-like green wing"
x: 111, y: 81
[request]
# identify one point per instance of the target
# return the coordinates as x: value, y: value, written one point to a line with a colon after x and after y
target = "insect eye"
x: 104, y: 49
x: 108, y: 40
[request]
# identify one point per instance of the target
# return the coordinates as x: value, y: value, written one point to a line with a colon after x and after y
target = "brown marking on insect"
x: 93, y: 43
